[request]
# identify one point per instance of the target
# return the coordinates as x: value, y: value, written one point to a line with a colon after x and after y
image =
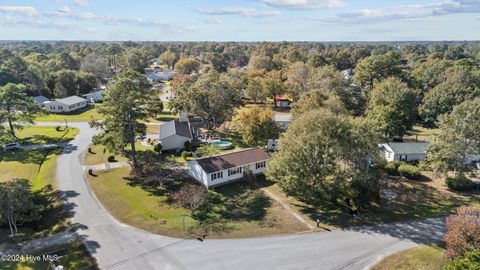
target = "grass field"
x: 39, y: 165
x: 418, y: 258
x: 81, y: 116
x: 72, y: 256
x: 419, y: 133
x: 39, y: 134
x: 143, y: 208
x: 99, y: 155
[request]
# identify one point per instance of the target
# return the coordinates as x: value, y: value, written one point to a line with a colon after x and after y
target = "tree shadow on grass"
x: 404, y: 214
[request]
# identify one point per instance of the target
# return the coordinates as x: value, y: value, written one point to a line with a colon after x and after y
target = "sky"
x: 234, y: 20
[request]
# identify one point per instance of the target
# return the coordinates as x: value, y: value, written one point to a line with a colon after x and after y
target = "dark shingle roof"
x: 232, y: 160
x: 409, y: 147
x: 175, y: 127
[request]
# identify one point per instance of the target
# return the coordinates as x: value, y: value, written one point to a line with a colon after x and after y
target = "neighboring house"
x: 403, y: 151
x: 222, y: 169
x: 273, y: 144
x: 96, y: 96
x: 282, y: 120
x: 281, y: 101
x: 159, y: 76
x: 347, y: 74
x: 67, y: 104
x: 40, y: 100
x: 174, y: 134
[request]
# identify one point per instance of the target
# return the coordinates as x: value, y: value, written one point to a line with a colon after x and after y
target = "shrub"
x: 459, y: 183
x: 111, y: 158
x: 390, y: 168
x: 409, y: 171
x: 463, y: 231
x: 158, y: 148
x: 58, y: 128
x: 187, y: 145
x: 470, y: 261
x: 186, y: 154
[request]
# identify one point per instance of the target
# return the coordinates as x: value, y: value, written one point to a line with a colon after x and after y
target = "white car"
x: 12, y: 146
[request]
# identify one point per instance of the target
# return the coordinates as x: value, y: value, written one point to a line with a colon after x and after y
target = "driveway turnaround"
x: 119, y: 246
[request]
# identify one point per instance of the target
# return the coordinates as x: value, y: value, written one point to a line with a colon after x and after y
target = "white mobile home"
x: 67, y: 104
x: 403, y: 151
x: 222, y: 169
x: 174, y: 134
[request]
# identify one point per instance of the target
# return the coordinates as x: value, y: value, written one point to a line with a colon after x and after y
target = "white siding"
x: 174, y: 142
x: 231, y: 178
x: 58, y: 107
x: 197, y: 173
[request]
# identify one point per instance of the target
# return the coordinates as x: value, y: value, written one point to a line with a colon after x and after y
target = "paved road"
x: 118, y: 246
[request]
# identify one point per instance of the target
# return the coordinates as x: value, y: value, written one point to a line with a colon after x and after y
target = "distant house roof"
x: 40, y: 99
x: 409, y: 147
x: 175, y: 127
x: 71, y: 100
x: 282, y: 118
x: 281, y: 97
x: 232, y: 160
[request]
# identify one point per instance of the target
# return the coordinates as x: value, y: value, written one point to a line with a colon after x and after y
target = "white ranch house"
x: 174, y: 134
x: 222, y: 169
x: 403, y: 151
x: 67, y: 104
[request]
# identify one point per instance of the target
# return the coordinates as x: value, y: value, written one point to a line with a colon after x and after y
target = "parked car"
x: 477, y: 165
x: 11, y: 146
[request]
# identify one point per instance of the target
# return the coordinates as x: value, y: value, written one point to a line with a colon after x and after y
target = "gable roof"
x: 71, y: 100
x: 232, y: 160
x: 175, y: 127
x: 40, y: 99
x: 409, y: 147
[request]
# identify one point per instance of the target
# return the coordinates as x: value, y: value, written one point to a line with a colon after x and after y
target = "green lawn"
x: 419, y: 133
x: 39, y: 134
x: 80, y: 116
x: 39, y: 167
x: 72, y: 256
x: 419, y: 258
x: 143, y: 207
x: 99, y: 155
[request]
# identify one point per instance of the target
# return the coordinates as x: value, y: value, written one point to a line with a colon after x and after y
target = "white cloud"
x: 242, y: 11
x: 82, y: 3
x: 213, y: 20
x: 405, y: 12
x: 304, y: 4
x: 20, y: 10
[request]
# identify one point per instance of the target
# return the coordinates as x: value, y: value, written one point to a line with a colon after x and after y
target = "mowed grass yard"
x: 418, y: 258
x: 72, y: 256
x: 38, y: 166
x: 78, y: 116
x: 143, y: 207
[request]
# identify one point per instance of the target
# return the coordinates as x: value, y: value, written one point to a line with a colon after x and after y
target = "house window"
x: 60, y: 107
x: 234, y: 171
x: 260, y: 165
x: 217, y: 175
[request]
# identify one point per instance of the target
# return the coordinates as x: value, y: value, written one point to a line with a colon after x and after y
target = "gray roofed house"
x: 404, y: 151
x: 67, y: 104
x: 174, y: 134
x: 283, y: 120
